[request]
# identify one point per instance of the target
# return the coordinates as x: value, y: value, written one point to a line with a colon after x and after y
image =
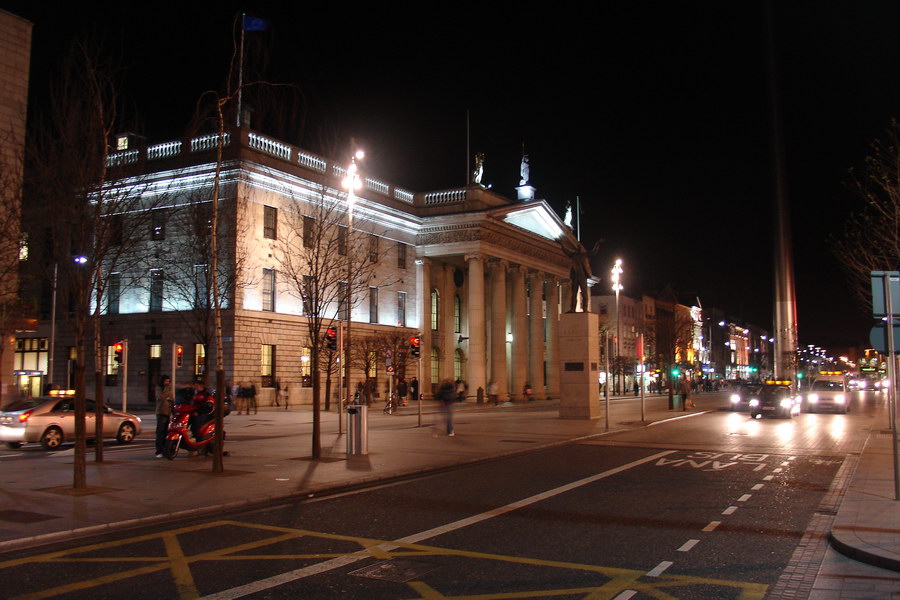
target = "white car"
x: 50, y: 420
x: 827, y: 394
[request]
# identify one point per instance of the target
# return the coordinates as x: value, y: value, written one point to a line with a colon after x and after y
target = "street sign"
x: 879, y: 340
x: 878, y: 302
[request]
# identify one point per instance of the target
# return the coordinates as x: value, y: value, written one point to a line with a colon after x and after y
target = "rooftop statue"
x: 478, y: 171
x: 524, y: 170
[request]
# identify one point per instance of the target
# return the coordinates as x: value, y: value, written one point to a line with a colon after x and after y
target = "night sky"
x: 657, y: 118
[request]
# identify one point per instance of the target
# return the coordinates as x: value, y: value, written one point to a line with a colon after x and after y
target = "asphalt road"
x: 713, y: 506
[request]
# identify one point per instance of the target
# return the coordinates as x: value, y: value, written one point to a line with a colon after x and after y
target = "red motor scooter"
x: 179, y: 434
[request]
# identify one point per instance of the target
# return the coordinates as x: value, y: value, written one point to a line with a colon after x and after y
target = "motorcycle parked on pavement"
x: 202, y: 435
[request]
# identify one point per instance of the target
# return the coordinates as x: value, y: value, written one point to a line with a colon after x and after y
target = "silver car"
x: 50, y: 420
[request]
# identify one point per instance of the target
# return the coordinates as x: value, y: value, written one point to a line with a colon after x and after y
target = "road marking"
x: 625, y: 595
x: 688, y: 545
x: 777, y: 470
x: 712, y: 525
x: 758, y: 486
x: 730, y: 510
x: 768, y: 478
x: 335, y: 563
x: 760, y: 467
x: 658, y: 569
x: 744, y: 498
x: 785, y: 463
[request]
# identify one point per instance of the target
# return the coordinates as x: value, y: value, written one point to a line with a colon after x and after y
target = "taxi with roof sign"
x: 775, y: 398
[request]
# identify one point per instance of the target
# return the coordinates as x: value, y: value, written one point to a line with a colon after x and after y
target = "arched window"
x: 435, y: 309
x: 458, y: 365
x: 457, y: 314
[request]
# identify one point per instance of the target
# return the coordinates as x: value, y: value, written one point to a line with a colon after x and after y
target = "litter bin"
x: 357, y: 429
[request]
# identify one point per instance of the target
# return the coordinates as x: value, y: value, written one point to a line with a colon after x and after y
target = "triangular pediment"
x: 536, y: 217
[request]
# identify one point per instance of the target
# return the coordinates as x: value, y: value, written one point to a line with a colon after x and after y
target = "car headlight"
x: 735, y: 398
x: 754, y: 402
x: 813, y: 398
x: 786, y: 403
x: 840, y: 398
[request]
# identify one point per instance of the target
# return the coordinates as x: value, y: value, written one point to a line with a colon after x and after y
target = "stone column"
x: 448, y: 333
x: 553, y: 337
x: 536, y: 335
x: 423, y: 307
x: 519, y: 364
x: 476, y: 365
x: 498, y: 329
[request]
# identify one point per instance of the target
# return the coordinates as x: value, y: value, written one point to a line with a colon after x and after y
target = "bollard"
x: 357, y: 429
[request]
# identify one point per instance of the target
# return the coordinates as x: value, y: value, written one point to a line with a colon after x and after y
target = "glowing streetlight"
x: 617, y: 287
x: 352, y: 182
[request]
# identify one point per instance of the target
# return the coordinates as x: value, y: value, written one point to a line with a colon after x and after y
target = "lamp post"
x: 617, y: 287
x: 351, y: 183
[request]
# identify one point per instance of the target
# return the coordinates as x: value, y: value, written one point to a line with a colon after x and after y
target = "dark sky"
x: 657, y: 118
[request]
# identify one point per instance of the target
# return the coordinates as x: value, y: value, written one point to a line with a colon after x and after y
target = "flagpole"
x: 240, y: 70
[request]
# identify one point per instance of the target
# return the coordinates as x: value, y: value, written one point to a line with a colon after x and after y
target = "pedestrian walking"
x: 460, y: 390
x: 164, y: 401
x: 275, y: 397
x: 493, y: 395
x: 251, y: 397
x: 284, y: 396
x: 414, y: 388
x: 527, y: 392
x: 402, y: 390
x: 686, y: 394
x: 447, y: 396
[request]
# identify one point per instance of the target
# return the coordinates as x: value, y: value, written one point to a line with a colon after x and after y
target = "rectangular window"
x: 158, y: 224
x: 267, y: 366
x: 116, y: 229
x: 401, y: 255
x: 309, y: 295
x: 342, y: 301
x: 270, y: 222
x: 157, y: 278
x: 372, y: 365
x: 309, y: 232
x: 457, y: 314
x: 201, y: 286
x: 199, y: 359
x: 268, y: 290
x: 112, y: 367
x: 202, y: 215
x: 342, y: 240
x: 435, y: 310
x: 113, y: 293
x: 306, y: 366
x: 373, y: 305
x: 401, y: 309
x: 373, y: 248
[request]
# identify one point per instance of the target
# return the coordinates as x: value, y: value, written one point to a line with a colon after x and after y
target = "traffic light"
x: 676, y: 371
x: 119, y: 350
x: 415, y: 346
x: 179, y: 356
x: 331, y: 339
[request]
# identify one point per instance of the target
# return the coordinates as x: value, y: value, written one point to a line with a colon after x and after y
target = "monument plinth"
x: 579, y: 357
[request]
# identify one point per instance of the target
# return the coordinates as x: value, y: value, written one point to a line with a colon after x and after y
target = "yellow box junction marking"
x: 179, y: 565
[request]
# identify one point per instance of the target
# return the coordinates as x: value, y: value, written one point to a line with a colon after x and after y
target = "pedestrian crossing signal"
x: 331, y: 339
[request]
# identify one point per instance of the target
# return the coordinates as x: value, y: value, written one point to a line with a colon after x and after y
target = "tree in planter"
x: 84, y: 217
x: 323, y: 262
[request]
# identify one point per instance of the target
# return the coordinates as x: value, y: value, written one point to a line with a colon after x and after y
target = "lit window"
x: 270, y: 222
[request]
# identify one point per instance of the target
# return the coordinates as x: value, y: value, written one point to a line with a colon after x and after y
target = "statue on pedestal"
x: 580, y: 273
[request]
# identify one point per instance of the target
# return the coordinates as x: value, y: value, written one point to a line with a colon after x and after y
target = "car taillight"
x: 25, y: 416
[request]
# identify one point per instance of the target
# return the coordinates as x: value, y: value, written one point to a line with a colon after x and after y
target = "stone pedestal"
x: 579, y: 356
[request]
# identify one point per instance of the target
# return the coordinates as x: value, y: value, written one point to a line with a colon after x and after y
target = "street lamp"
x: 351, y: 183
x: 617, y: 287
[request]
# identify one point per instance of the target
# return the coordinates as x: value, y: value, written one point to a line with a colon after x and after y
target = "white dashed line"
x: 745, y: 497
x: 758, y: 486
x: 768, y: 478
x: 658, y: 569
x: 712, y: 525
x: 760, y: 467
x: 777, y: 470
x: 688, y: 545
x: 625, y: 595
x: 785, y: 463
x: 730, y: 510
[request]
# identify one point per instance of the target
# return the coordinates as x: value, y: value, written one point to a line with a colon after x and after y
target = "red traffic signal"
x: 415, y: 346
x: 179, y: 356
x: 331, y: 339
x: 118, y: 351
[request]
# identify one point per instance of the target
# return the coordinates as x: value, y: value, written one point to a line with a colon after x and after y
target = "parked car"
x: 50, y: 421
x: 775, y: 399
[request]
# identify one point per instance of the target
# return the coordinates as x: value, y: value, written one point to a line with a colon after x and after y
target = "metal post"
x: 341, y: 355
x: 419, y: 386
x: 125, y: 375
x: 641, y: 380
x: 892, y: 377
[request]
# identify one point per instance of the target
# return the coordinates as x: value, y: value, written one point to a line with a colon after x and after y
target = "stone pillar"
x: 448, y: 333
x: 498, y: 329
x: 476, y: 365
x: 423, y: 307
x: 580, y: 390
x: 552, y: 338
x: 519, y: 364
x: 536, y: 335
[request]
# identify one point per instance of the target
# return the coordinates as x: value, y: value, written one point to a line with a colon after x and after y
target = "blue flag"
x: 255, y: 24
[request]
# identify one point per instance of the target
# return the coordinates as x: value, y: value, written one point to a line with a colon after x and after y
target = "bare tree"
x: 325, y: 263
x: 88, y: 214
x: 871, y: 239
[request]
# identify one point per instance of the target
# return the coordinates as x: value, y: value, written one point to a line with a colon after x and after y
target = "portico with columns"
x: 490, y: 282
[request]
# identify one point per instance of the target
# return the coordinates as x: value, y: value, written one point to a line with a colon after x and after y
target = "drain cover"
x: 397, y: 570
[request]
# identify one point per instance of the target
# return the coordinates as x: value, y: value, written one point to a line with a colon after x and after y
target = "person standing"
x: 252, y: 399
x: 164, y: 400
x: 414, y: 389
x: 402, y: 390
x: 493, y: 396
x: 447, y: 396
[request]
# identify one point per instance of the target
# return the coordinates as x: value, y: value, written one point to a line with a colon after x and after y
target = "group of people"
x: 243, y: 396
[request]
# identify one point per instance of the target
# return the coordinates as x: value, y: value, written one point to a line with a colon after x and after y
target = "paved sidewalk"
x: 269, y: 463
